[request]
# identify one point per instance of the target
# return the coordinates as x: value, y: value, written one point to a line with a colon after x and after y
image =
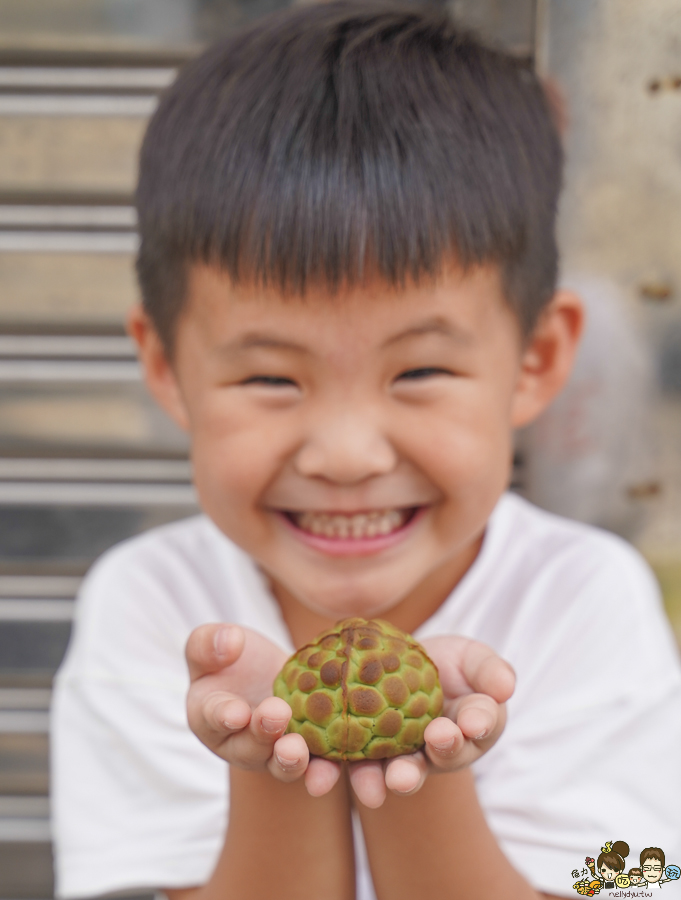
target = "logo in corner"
x: 608, y: 871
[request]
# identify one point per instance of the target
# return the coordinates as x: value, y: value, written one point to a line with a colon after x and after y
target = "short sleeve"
x: 590, y: 752
x: 138, y: 801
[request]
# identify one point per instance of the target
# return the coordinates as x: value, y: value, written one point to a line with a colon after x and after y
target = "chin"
x: 351, y: 602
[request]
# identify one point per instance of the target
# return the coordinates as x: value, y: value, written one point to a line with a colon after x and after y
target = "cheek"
x: 463, y: 442
x: 236, y: 452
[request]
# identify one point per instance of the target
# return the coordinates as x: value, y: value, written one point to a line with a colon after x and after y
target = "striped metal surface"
x: 79, y: 440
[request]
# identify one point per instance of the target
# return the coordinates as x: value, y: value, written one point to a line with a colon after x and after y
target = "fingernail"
x: 442, y: 746
x: 221, y: 641
x: 483, y: 734
x: 271, y: 726
x: 287, y: 763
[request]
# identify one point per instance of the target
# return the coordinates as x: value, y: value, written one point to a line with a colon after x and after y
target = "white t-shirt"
x: 590, y: 752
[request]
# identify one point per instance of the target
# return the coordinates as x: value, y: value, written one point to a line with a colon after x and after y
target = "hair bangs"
x: 332, y: 142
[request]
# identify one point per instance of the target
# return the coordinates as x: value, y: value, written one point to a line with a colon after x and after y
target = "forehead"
x: 462, y: 304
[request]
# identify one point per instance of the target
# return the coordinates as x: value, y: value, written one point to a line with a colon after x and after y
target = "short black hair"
x: 324, y: 142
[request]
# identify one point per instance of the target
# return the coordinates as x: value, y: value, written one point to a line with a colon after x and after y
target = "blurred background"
x: 85, y: 458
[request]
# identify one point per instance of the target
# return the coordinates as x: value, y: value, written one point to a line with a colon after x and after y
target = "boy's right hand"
x: 230, y: 706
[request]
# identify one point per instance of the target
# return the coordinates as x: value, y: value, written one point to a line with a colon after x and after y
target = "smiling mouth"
x: 355, y: 526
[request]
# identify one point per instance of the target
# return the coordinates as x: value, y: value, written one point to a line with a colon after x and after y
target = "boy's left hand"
x: 476, y: 684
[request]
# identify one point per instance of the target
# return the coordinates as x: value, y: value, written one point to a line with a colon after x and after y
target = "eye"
x: 269, y: 381
x: 419, y: 374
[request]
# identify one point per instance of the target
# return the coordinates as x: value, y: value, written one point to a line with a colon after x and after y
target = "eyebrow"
x: 263, y: 339
x: 435, y: 325
x: 258, y: 339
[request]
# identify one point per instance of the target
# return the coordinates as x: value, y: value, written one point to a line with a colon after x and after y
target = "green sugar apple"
x: 361, y: 690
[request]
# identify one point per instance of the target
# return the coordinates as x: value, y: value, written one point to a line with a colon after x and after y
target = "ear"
x: 547, y: 357
x: 158, y: 371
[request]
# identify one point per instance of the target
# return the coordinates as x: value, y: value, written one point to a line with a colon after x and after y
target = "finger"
x: 270, y: 718
x: 469, y: 748
x: 253, y: 747
x: 321, y: 776
x: 213, y: 647
x: 487, y: 673
x: 477, y: 716
x: 219, y: 714
x: 467, y: 666
x: 444, y: 741
x: 289, y: 758
x: 406, y: 774
x: 368, y: 783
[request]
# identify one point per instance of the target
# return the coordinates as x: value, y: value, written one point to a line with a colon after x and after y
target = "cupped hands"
x: 231, y: 709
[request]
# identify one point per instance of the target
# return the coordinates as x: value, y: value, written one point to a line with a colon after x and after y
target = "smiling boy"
x: 348, y: 269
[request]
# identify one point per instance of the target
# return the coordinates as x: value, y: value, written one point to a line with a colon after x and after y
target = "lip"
x: 353, y: 546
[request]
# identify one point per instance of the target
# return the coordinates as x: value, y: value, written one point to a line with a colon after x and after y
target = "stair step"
x: 83, y: 418
x: 24, y: 763
x: 36, y: 215
x: 114, y: 470
x: 66, y: 346
x: 39, y: 586
x: 44, y: 538
x: 75, y: 144
x: 35, y: 611
x: 86, y: 77
x: 25, y: 819
x: 83, y: 289
x: 87, y: 494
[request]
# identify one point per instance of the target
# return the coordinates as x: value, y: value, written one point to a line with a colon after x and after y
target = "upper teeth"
x: 358, y: 525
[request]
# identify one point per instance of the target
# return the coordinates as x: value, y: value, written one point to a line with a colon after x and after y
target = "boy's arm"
x: 436, y: 843
x: 430, y: 837
x: 282, y: 843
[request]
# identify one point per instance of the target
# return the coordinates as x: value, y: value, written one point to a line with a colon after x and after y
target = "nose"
x: 346, y: 448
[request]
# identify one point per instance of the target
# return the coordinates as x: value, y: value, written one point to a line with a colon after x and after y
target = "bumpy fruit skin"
x: 361, y: 690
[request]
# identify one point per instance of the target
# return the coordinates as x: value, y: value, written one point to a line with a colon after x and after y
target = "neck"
x: 304, y: 624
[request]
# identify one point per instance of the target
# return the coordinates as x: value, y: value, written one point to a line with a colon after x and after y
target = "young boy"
x: 348, y: 269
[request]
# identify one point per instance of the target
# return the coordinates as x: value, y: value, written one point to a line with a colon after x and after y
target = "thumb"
x: 211, y: 648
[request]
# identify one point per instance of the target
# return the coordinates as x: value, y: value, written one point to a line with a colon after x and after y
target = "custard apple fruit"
x: 361, y: 690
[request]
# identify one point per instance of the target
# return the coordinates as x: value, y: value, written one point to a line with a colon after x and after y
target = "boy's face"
x: 353, y: 445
